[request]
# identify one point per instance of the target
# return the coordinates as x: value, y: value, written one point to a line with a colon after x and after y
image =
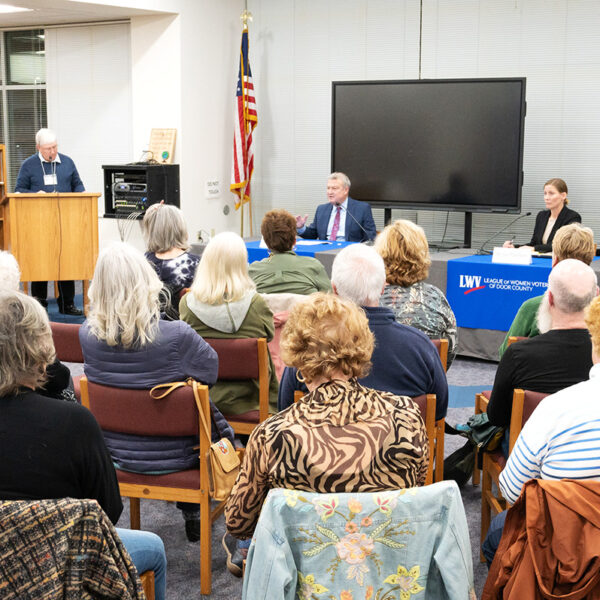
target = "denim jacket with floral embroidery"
x: 410, y: 544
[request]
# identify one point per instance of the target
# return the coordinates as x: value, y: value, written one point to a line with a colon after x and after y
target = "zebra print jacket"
x: 342, y: 437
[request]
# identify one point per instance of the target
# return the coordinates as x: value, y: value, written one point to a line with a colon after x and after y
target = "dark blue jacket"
x: 405, y: 362
x: 361, y: 211
x: 31, y: 176
x: 177, y: 353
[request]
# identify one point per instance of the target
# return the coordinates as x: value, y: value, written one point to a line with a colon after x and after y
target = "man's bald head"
x: 572, y: 286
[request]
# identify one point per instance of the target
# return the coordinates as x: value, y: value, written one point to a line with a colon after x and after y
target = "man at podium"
x: 48, y: 171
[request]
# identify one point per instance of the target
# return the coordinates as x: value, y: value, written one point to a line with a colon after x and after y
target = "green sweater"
x: 525, y: 323
x: 236, y: 397
x: 286, y: 272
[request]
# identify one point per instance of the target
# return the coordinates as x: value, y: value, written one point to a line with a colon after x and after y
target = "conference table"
x: 484, y: 296
x: 485, y: 307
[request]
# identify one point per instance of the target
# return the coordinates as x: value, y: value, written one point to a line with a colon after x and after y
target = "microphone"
x: 482, y: 251
x: 355, y: 220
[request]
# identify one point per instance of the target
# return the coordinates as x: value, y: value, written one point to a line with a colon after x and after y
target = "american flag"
x: 245, y: 121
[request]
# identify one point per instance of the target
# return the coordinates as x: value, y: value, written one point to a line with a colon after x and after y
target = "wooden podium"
x: 54, y: 237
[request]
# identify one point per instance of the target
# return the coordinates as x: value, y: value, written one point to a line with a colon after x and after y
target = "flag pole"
x: 245, y: 122
x: 245, y: 17
x: 242, y: 220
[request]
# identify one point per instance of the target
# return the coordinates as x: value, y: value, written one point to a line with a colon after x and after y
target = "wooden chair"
x: 136, y: 412
x: 426, y: 404
x: 482, y: 399
x: 441, y: 345
x: 147, y: 579
x: 239, y: 359
x: 524, y: 403
x: 435, y: 434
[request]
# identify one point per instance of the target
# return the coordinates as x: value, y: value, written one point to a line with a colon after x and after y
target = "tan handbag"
x: 222, y: 459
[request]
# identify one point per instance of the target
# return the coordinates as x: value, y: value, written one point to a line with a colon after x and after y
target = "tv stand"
x: 387, y: 219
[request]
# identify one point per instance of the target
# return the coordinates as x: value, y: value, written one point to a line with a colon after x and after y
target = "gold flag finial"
x: 246, y: 16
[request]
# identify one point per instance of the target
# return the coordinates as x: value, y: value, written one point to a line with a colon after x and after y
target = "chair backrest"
x: 524, y: 403
x: 66, y: 341
x: 298, y: 395
x: 442, y: 347
x: 63, y: 548
x: 240, y: 358
x: 356, y: 542
x: 426, y: 404
x: 136, y: 412
x: 515, y: 338
x: 245, y: 358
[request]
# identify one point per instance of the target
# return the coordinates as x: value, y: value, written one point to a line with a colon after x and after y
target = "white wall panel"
x: 89, y: 97
x: 554, y: 43
x: 309, y: 45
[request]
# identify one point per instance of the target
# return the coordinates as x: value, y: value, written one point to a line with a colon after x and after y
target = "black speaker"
x: 133, y: 188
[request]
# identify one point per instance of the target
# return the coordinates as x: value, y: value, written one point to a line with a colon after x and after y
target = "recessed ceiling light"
x: 9, y: 8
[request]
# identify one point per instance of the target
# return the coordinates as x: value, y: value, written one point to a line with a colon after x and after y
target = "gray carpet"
x: 183, y: 557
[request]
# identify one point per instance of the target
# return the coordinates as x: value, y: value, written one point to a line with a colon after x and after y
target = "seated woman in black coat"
x: 549, y: 221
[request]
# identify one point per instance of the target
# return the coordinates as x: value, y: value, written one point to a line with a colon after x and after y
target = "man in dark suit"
x: 342, y: 218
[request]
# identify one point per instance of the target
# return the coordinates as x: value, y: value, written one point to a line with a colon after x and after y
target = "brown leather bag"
x: 222, y: 459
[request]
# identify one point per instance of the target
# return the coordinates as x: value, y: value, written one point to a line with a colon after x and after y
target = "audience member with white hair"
x: 558, y: 358
x: 404, y: 360
x: 125, y: 344
x: 10, y: 273
x: 569, y: 419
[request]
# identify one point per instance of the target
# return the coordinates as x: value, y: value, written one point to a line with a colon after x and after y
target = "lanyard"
x: 52, y: 167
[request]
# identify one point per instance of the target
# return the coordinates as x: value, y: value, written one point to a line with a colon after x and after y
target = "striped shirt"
x: 560, y: 440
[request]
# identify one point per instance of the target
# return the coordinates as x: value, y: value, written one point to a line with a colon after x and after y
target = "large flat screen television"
x: 451, y: 144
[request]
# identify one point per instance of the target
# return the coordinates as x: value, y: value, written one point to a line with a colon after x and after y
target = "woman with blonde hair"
x: 125, y: 344
x: 341, y: 436
x: 405, y: 252
x: 166, y: 237
x: 223, y: 303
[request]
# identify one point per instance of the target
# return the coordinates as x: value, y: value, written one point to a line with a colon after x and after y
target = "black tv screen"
x: 431, y: 144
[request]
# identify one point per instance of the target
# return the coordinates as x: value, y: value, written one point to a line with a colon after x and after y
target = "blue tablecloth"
x: 256, y: 253
x: 485, y: 295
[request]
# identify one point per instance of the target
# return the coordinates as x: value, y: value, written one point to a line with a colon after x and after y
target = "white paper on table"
x: 311, y: 242
x: 512, y: 256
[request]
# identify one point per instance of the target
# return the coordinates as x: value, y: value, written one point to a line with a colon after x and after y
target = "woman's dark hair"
x: 278, y: 229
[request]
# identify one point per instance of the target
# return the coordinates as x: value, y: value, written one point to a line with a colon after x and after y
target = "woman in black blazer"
x: 555, y: 197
